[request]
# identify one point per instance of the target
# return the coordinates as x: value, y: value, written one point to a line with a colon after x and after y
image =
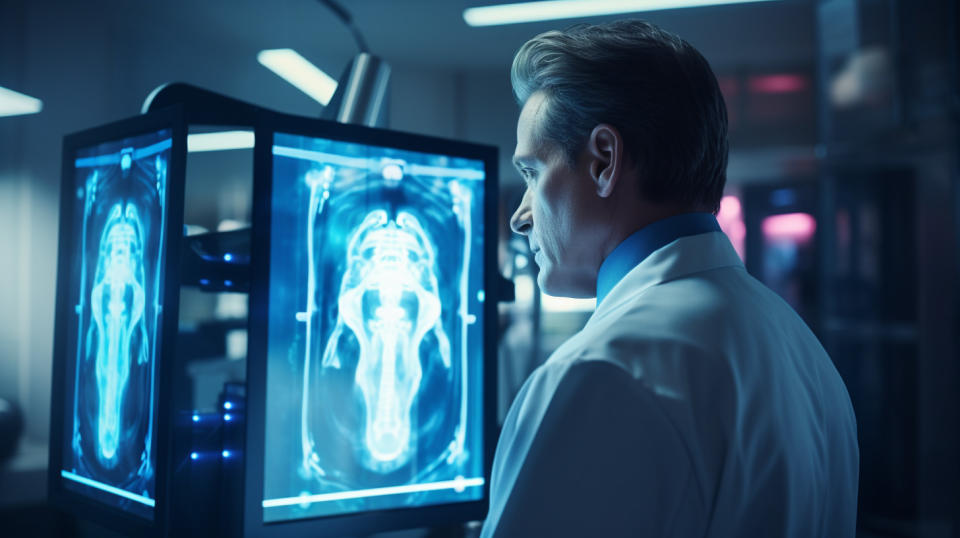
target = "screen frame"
x: 70, y: 501
x: 378, y: 520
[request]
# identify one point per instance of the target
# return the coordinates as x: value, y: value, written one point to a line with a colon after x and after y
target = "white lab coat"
x: 694, y: 403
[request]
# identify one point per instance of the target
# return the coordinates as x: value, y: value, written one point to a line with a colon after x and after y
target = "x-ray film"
x: 375, y: 351
x: 115, y: 293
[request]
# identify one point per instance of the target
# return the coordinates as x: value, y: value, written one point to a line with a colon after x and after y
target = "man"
x: 694, y: 402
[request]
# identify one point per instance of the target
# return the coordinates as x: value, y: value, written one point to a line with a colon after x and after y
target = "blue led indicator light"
x: 227, y: 417
x: 196, y: 418
x: 204, y: 281
x: 228, y: 257
x: 228, y: 283
x: 228, y: 405
x: 226, y: 453
x: 194, y: 455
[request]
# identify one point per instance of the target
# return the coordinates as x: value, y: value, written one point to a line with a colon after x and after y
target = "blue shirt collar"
x: 640, y: 244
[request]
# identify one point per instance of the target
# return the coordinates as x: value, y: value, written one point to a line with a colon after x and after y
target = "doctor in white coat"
x: 695, y: 402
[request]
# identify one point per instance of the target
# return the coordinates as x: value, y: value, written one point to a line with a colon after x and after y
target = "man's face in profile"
x: 558, y: 210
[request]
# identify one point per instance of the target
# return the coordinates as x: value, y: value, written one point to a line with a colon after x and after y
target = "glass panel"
x: 116, y: 292
x: 374, y: 379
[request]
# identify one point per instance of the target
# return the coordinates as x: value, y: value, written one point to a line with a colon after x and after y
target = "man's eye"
x: 528, y: 174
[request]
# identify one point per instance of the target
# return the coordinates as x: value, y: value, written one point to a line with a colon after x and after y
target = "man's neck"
x: 636, y: 247
x: 631, y: 217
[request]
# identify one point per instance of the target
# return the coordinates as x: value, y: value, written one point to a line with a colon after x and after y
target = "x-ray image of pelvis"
x: 119, y: 219
x: 375, y: 301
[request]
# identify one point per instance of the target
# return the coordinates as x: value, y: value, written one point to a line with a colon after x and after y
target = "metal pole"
x: 362, y: 98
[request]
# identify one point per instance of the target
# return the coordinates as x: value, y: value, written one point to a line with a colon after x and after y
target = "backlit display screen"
x: 375, y: 348
x: 115, y: 293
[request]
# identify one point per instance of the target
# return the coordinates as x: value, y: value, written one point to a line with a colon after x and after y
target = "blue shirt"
x: 642, y: 243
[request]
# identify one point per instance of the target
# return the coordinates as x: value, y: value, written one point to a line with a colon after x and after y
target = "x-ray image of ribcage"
x: 119, y: 216
x: 388, y: 303
x: 379, y: 258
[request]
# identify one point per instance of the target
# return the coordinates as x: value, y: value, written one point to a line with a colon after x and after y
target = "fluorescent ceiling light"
x: 14, y: 103
x: 298, y: 71
x: 569, y: 9
x: 220, y: 141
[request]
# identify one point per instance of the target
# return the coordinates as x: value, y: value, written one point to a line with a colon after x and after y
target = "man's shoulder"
x: 671, y: 337
x: 679, y: 319
x: 698, y: 310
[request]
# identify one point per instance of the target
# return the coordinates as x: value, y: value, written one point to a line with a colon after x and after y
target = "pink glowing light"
x: 778, y: 84
x: 795, y: 226
x: 730, y: 219
x: 730, y: 206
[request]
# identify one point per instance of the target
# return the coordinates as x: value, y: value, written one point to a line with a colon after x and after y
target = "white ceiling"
x: 432, y: 32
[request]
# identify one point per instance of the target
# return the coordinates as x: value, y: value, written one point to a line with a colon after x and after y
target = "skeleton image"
x: 374, y: 333
x: 117, y: 305
x: 388, y: 300
x: 116, y: 243
x: 387, y: 308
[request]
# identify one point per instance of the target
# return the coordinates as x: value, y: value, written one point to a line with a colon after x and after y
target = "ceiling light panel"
x: 221, y: 141
x: 297, y: 70
x: 15, y: 103
x: 570, y: 9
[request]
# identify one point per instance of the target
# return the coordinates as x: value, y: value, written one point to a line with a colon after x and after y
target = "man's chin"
x: 554, y: 285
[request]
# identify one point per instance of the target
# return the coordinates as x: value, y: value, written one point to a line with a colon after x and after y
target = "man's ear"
x: 605, y: 151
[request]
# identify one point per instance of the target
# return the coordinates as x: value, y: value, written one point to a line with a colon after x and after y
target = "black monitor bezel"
x: 380, y: 520
x: 65, y: 499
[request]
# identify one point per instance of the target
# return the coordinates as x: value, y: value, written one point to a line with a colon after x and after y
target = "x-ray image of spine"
x: 121, y: 217
x: 388, y: 300
x: 117, y: 305
x: 376, y: 261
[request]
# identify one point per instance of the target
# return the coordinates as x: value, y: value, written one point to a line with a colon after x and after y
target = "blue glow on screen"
x: 116, y: 290
x: 374, y: 380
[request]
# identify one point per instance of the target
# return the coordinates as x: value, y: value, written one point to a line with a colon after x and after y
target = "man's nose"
x: 522, y: 220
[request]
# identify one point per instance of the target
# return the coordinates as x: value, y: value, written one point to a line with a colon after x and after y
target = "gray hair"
x: 654, y: 87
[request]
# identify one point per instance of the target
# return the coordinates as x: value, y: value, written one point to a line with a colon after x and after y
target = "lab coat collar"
x: 681, y: 257
x: 647, y: 240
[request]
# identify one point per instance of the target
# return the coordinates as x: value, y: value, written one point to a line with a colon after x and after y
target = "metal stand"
x: 362, y: 95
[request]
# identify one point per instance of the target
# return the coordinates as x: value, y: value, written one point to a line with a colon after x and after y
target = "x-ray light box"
x: 119, y: 204
x: 377, y: 333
